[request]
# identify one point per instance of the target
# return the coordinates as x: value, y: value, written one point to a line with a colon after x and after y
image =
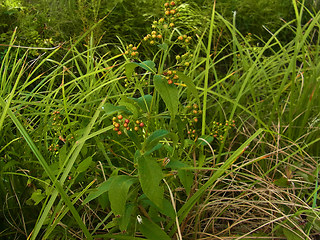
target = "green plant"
x: 172, y: 137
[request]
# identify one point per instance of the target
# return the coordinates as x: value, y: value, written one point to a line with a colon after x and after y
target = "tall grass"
x: 64, y: 159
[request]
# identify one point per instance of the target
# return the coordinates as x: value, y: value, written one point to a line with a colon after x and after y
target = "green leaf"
x: 134, y: 137
x: 147, y: 65
x: 152, y: 231
x: 168, y: 92
x: 150, y: 175
x: 109, y: 109
x: 156, y: 147
x: 118, y: 192
x: 207, y: 138
x: 125, y: 220
x: 104, y: 187
x: 291, y: 234
x: 156, y: 136
x: 37, y: 196
x: 191, y: 86
x: 144, y: 102
x: 84, y: 165
x: 130, y: 106
x: 163, y: 46
x: 281, y: 182
x: 185, y: 176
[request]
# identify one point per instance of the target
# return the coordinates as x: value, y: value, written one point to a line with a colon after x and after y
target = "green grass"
x: 98, y: 143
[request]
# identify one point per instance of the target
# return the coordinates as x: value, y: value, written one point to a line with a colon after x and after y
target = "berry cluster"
x: 132, y: 51
x: 170, y: 10
x: 184, y: 40
x: 153, y: 37
x: 184, y: 60
x: 218, y: 129
x: 59, y: 131
x: 171, y: 76
x: 192, y: 117
x: 120, y: 124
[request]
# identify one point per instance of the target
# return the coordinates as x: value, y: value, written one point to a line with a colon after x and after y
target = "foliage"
x: 180, y: 135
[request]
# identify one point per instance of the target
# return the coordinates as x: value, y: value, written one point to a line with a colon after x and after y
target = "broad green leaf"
x: 291, y: 234
x: 103, y: 200
x: 135, y: 138
x: 84, y: 165
x: 207, y: 138
x: 144, y: 102
x: 156, y: 147
x: 150, y: 176
x: 191, y: 86
x: 147, y: 65
x: 118, y: 192
x: 37, y: 196
x: 125, y: 220
x: 168, y: 92
x: 156, y: 136
x: 130, y: 106
x: 163, y: 46
x: 104, y: 187
x: 108, y: 108
x: 185, y: 176
x: 152, y: 231
x: 281, y: 182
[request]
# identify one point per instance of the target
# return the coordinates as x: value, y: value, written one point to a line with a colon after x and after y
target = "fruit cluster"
x: 184, y: 60
x: 120, y: 124
x: 170, y: 9
x: 184, y: 40
x: 192, y: 115
x: 171, y: 76
x: 132, y: 51
x: 153, y: 37
x: 218, y: 129
x: 58, y: 130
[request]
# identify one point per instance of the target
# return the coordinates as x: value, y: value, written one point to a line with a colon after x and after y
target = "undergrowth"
x: 178, y: 136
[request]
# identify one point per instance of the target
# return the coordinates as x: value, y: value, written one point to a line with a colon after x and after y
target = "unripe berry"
x: 120, y: 117
x: 171, y: 24
x: 170, y: 81
x: 180, y: 38
x: 119, y: 132
x: 166, y: 4
x: 167, y: 13
x: 173, y: 11
x: 134, y: 48
x: 136, y: 128
x: 172, y: 3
